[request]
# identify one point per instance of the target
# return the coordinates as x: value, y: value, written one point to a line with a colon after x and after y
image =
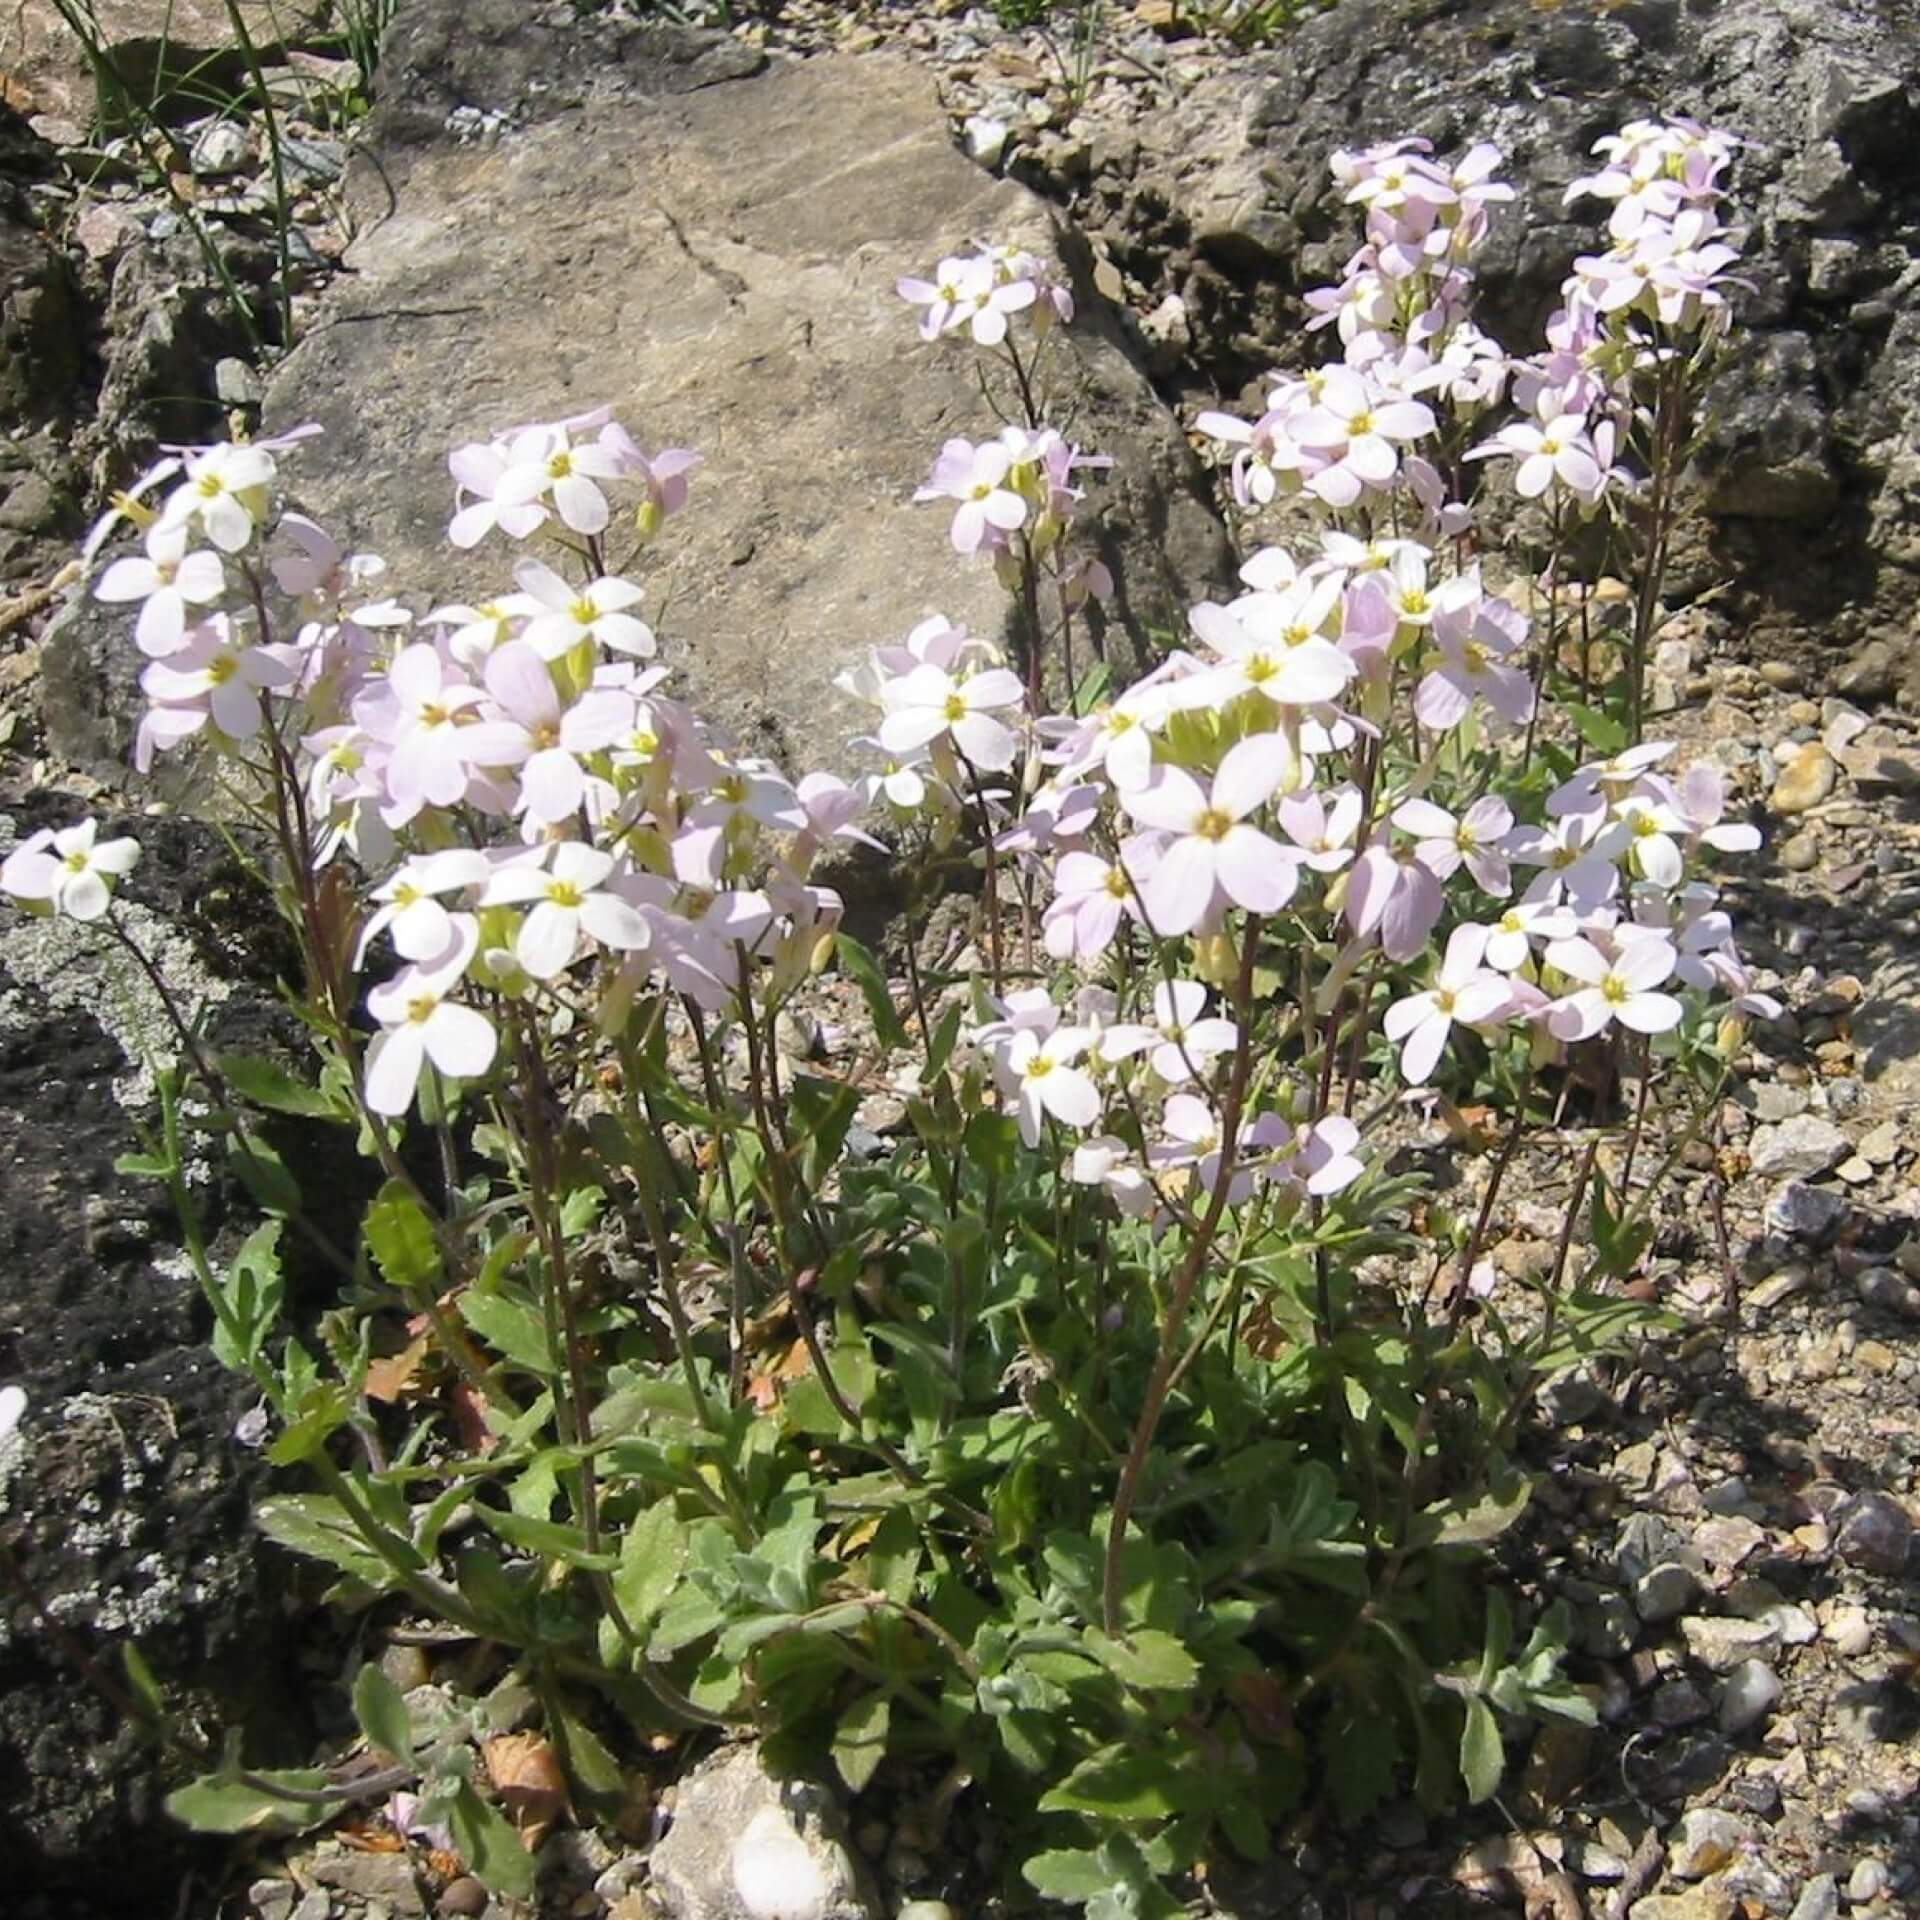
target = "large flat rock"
x: 712, y: 249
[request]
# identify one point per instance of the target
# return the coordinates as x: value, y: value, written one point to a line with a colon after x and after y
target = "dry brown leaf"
x: 764, y: 1383
x: 396, y: 1373
x: 526, y: 1774
x: 16, y: 94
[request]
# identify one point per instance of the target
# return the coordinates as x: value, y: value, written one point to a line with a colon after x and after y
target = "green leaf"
x: 252, y: 1293
x: 265, y: 1083
x: 550, y: 1539
x: 945, y: 1037
x: 1476, y: 1521
x: 140, y: 1677
x: 400, y: 1238
x: 317, y: 1525
x: 511, y: 1328
x: 579, y: 1210
x: 1148, y: 1658
x: 653, y: 1555
x: 320, y: 1414
x: 864, y: 971
x: 1070, y: 1876
x: 218, y: 1803
x: 266, y: 1177
x: 1118, y: 1783
x: 381, y: 1710
x: 489, y: 1845
x: 583, y: 1752
x: 1599, y: 730
x: 860, y: 1740
x: 1483, y: 1758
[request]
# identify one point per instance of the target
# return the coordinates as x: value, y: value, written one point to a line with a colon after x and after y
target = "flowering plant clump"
x: 1126, y: 1433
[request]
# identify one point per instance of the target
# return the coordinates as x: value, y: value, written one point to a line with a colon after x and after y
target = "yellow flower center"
x: 210, y: 486
x: 1475, y: 656
x: 955, y: 709
x: 563, y: 893
x: 420, y: 1007
x: 585, y: 612
x: 1038, y: 1067
x: 547, y: 734
x: 1360, y: 423
x: 560, y: 465
x: 76, y: 863
x: 1615, y: 989
x: 1213, y: 824
x: 1117, y: 883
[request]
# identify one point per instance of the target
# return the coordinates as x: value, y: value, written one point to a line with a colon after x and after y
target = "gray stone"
x: 1890, y: 1291
x: 1819, y: 1900
x: 1875, y: 1532
x: 1809, y: 1143
x: 1677, y: 1703
x: 224, y: 147
x: 385, y: 1877
x: 1867, y: 1881
x: 1644, y: 1540
x: 1721, y: 1645
x: 745, y: 1846
x: 1747, y: 1695
x: 1666, y: 1591
x: 1865, y: 1714
x: 1708, y: 1839
x: 739, y: 301
x: 1804, y: 1212
x: 1608, y: 1627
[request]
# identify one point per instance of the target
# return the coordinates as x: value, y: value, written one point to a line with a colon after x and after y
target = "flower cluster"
x: 981, y: 292
x: 518, y: 778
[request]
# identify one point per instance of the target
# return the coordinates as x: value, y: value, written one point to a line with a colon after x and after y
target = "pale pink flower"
x: 1465, y: 992
x: 1090, y: 896
x: 1213, y: 854
x: 1044, y: 1082
x: 1510, y: 938
x: 531, y: 731
x: 976, y: 477
x: 224, y: 488
x: 1400, y: 900
x: 930, y: 704
x: 1444, y: 843
x: 568, y: 901
x: 410, y: 912
x: 1324, y: 834
x: 1621, y: 988
x: 419, y: 710
x: 167, y: 580
x: 421, y: 1024
x: 70, y: 869
x: 566, y: 615
x: 1188, y: 1038
x: 477, y: 471
x: 545, y: 466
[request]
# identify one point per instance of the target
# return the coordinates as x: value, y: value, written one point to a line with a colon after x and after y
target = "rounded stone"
x: 1747, y: 1695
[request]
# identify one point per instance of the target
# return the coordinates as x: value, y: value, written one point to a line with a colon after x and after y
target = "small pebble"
x: 1801, y: 854
x: 463, y: 1896
x: 1805, y: 780
x: 1747, y: 1695
x: 1868, y: 1881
